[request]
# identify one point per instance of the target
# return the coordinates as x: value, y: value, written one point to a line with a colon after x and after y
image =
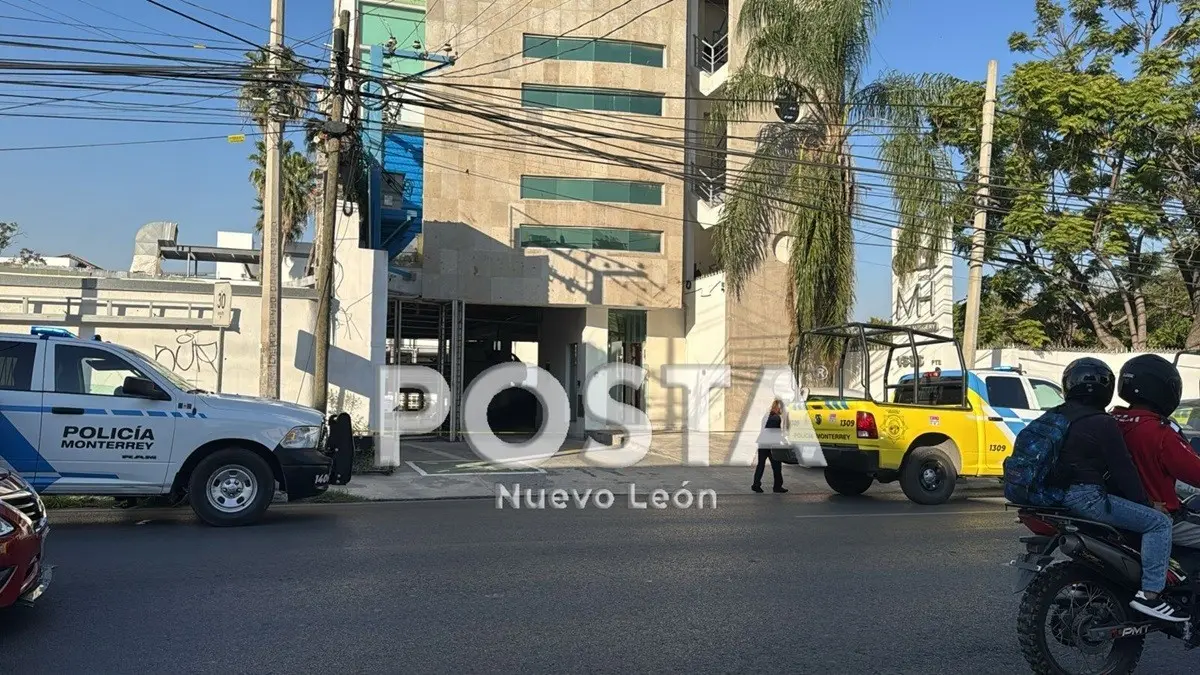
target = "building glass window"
x: 16, y: 365
x: 598, y: 238
x: 592, y: 49
x: 626, y: 342
x: 591, y: 190
x: 604, y: 100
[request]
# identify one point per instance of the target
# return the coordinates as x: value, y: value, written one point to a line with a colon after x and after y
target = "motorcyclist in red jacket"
x: 1153, y: 388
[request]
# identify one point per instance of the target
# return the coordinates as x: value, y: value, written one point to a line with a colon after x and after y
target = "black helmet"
x: 1152, y: 381
x: 1089, y: 381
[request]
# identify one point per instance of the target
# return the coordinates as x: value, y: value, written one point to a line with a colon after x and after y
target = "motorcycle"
x: 1080, y: 605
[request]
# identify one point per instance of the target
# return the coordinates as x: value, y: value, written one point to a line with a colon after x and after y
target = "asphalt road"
x: 763, y: 583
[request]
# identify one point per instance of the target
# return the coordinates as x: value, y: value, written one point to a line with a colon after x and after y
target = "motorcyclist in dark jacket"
x: 1104, y: 485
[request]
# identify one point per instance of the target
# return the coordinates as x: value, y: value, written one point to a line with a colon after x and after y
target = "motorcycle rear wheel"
x: 1059, y: 605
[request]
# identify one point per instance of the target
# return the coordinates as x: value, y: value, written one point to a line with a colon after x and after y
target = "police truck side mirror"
x: 143, y: 388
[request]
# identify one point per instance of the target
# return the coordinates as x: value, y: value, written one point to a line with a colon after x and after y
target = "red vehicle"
x: 24, y: 576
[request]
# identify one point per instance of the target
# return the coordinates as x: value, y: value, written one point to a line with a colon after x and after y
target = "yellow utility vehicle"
x: 898, y: 405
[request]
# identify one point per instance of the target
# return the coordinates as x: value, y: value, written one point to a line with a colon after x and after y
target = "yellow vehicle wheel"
x: 928, y: 476
x: 849, y: 483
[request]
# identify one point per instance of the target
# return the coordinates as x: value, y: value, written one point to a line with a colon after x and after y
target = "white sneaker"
x: 1158, y: 608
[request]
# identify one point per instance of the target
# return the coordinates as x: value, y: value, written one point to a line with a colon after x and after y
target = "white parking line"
x: 877, y: 515
x: 441, y: 453
x: 989, y: 500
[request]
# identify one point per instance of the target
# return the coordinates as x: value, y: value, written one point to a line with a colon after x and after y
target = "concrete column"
x: 593, y: 351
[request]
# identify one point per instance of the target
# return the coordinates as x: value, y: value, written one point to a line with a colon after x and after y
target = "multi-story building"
x: 546, y: 182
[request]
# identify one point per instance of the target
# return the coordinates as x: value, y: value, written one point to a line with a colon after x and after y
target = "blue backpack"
x: 1029, y: 471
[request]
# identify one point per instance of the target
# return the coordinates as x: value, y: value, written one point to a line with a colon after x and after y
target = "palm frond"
x: 742, y: 238
x: 822, y: 252
x: 294, y: 97
x: 746, y: 95
x: 918, y: 165
x: 801, y: 179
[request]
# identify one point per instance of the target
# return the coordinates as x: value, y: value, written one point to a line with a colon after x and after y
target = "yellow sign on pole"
x: 236, y: 138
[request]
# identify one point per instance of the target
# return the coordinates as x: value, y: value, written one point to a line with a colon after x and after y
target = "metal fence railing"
x: 712, y: 54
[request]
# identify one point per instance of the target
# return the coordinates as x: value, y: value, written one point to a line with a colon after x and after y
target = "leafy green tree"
x: 8, y: 232
x: 1087, y: 133
x: 802, y: 179
x: 293, y: 99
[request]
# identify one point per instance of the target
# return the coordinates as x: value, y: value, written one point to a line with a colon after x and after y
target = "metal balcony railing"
x: 712, y: 54
x: 709, y: 185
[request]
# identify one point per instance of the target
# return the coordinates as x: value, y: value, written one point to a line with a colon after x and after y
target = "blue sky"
x: 90, y: 201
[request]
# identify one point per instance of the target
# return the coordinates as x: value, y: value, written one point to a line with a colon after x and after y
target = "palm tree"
x: 299, y: 186
x: 801, y: 181
x: 299, y: 172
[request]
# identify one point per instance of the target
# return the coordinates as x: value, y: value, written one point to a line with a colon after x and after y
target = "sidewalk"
x: 445, y: 470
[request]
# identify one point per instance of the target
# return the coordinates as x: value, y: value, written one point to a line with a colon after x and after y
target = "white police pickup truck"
x: 85, y: 417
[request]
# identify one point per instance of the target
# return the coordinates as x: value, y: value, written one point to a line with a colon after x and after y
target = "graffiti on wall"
x: 188, y: 354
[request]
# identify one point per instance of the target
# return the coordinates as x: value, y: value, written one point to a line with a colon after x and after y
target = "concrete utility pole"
x: 271, y: 266
x: 979, y: 236
x: 325, y: 238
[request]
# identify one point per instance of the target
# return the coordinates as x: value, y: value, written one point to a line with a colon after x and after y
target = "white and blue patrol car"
x: 86, y: 417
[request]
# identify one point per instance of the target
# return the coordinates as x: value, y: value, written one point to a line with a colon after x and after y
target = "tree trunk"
x: 1141, y: 340
x: 1185, y: 261
x: 1089, y: 313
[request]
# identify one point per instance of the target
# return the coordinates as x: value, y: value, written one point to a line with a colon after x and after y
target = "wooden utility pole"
x: 271, y: 262
x: 979, y: 236
x: 325, y: 238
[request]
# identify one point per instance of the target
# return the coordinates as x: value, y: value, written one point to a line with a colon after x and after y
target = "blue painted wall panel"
x: 404, y: 154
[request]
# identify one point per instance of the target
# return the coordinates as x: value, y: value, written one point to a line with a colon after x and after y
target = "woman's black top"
x: 773, y: 421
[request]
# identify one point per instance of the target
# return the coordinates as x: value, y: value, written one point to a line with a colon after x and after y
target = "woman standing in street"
x: 774, y: 435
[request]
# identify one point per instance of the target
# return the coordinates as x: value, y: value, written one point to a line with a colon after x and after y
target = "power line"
x: 107, y: 52
x: 463, y: 72
x: 204, y: 23
x: 78, y: 23
x: 198, y: 44
x: 516, y: 12
x: 995, y: 259
x: 1001, y: 189
x: 59, y: 22
x: 470, y: 23
x: 76, y: 146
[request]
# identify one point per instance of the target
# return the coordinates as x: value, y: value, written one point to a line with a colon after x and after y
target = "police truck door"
x: 98, y: 438
x: 1010, y: 411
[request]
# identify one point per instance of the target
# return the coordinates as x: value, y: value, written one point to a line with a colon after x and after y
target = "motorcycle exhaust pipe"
x: 1106, y: 558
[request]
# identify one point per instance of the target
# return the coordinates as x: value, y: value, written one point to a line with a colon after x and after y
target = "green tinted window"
x: 645, y: 242
x: 607, y: 100
x: 598, y: 238
x: 645, y: 193
x: 591, y: 190
x: 592, y: 49
x: 646, y: 55
x: 539, y: 98
x: 613, y: 52
x: 576, y: 49
x: 539, y: 47
x: 533, y: 187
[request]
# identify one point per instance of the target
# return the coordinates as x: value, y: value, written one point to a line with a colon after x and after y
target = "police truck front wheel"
x: 231, y: 487
x: 849, y: 483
